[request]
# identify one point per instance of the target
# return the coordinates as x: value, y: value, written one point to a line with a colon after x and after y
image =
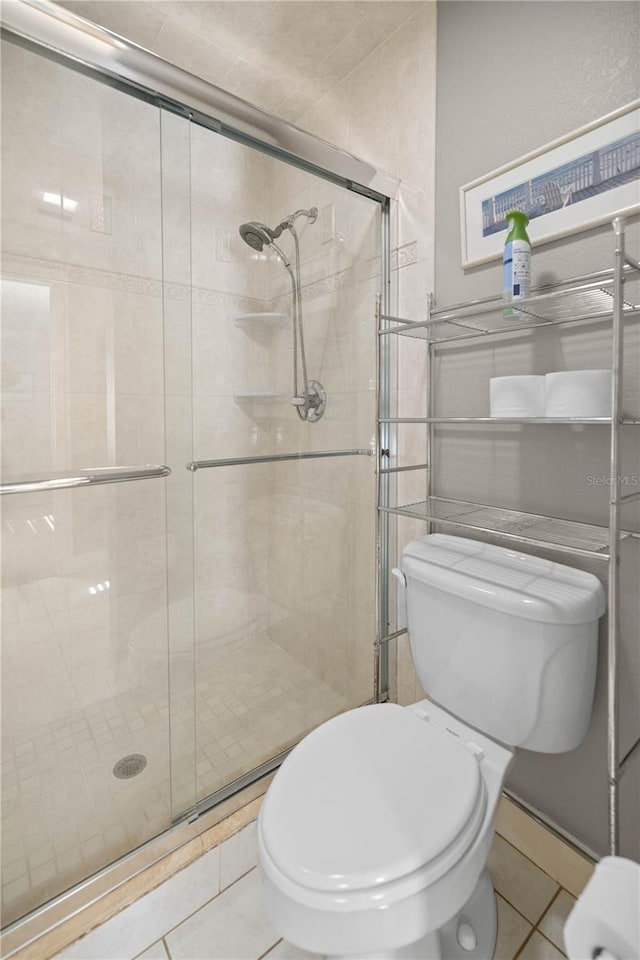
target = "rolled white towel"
x: 578, y: 393
x: 521, y: 396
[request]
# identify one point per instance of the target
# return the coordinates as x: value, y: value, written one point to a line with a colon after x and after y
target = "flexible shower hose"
x: 298, y: 332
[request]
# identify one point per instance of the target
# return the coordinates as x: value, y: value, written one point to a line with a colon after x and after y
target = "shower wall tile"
x: 227, y: 188
x: 40, y: 112
x: 415, y: 48
x: 88, y: 339
x: 178, y: 45
x: 222, y: 535
x: 34, y: 226
x: 384, y: 111
x: 139, y: 429
x: 139, y: 22
x: 225, y: 356
x: 138, y: 357
x: 89, y: 440
x: 373, y: 120
x: 224, y: 424
x: 129, y: 241
x: 178, y: 346
x: 33, y: 420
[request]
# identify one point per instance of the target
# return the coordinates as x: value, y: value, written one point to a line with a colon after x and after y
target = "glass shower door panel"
x: 284, y: 552
x: 85, y: 672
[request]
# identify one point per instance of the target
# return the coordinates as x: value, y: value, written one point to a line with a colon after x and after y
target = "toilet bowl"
x: 374, y: 834
x: 336, y: 800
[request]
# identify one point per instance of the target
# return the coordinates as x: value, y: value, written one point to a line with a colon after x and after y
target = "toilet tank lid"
x: 513, y: 583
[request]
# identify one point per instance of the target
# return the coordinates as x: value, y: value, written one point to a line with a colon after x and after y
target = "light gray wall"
x: 511, y: 77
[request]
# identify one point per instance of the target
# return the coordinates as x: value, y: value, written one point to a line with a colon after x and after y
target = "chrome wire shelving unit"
x: 607, y: 296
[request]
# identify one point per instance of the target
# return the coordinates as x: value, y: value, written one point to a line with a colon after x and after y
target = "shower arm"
x: 288, y: 222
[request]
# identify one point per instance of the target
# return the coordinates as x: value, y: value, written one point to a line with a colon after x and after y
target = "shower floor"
x: 64, y: 814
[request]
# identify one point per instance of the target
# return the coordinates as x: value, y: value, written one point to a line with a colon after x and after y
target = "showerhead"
x: 256, y: 234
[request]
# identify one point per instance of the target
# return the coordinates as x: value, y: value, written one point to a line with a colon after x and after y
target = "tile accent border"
x: 37, y: 268
x: 401, y: 257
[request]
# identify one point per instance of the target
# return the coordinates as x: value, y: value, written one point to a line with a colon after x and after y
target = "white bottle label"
x: 520, y: 269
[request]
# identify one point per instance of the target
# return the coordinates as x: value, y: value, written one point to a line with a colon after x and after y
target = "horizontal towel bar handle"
x: 91, y: 476
x: 274, y: 458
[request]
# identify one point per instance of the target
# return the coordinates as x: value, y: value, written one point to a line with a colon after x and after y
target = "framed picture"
x: 578, y: 181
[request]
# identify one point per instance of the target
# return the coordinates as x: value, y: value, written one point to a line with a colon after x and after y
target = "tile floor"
x: 65, y: 816
x: 212, y: 910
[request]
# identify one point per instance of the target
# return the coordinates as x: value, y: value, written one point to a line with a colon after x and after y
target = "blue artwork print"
x: 593, y: 173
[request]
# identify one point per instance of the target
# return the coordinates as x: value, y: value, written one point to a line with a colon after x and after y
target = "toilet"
x: 374, y: 834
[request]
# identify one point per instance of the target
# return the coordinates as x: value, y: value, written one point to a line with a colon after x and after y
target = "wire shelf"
x: 587, y: 299
x: 566, y: 535
x: 507, y: 420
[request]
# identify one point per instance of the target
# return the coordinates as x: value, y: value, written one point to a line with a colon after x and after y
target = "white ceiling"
x: 282, y: 55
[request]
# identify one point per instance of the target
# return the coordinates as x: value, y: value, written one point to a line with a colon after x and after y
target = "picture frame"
x: 578, y: 181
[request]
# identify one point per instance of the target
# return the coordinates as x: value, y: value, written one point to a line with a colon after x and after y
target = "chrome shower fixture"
x: 310, y: 403
x: 256, y: 234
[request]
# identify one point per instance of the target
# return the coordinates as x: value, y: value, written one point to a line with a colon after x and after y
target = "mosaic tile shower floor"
x: 65, y: 815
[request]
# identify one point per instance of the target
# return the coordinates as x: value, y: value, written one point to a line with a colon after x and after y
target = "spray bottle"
x: 516, y: 260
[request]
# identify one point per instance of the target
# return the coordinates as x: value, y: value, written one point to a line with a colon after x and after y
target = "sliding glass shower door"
x: 90, y: 545
x: 171, y: 623
x: 284, y: 549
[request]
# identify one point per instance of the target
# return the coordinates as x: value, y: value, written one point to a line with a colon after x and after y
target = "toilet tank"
x: 505, y: 641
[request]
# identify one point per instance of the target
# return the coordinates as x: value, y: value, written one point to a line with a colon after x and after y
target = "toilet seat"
x: 373, y: 799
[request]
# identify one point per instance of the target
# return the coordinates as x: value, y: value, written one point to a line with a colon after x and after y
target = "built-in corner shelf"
x: 257, y: 322
x: 569, y: 536
x: 247, y: 394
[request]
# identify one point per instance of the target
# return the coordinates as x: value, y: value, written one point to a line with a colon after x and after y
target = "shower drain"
x: 130, y: 766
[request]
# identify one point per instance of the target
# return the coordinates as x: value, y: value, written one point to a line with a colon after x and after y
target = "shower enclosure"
x: 188, y: 564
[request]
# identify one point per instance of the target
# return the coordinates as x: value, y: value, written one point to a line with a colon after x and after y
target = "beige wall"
x: 282, y: 55
x: 575, y: 62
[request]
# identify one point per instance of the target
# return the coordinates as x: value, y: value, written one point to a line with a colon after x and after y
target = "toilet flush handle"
x: 402, y: 600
